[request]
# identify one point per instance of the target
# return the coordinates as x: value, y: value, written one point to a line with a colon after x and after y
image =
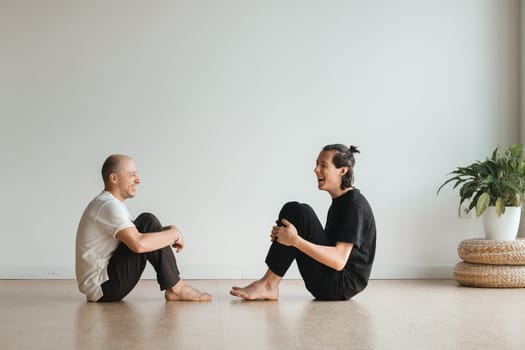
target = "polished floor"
x: 389, y: 314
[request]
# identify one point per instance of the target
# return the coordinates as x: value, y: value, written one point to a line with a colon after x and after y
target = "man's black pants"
x: 322, y: 281
x: 125, y: 266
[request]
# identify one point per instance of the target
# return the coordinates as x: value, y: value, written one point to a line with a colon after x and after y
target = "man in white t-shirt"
x: 112, y: 249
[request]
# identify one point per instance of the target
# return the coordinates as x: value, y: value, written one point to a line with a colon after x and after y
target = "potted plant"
x: 495, y: 187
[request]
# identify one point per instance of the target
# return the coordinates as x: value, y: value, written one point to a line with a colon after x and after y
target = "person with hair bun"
x: 335, y: 261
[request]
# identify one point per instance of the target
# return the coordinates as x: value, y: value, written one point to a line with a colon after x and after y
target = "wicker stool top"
x: 486, y: 251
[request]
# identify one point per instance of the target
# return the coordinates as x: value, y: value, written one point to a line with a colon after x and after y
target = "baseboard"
x: 380, y: 271
x: 412, y: 271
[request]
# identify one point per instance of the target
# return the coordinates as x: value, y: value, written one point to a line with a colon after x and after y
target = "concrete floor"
x: 389, y: 314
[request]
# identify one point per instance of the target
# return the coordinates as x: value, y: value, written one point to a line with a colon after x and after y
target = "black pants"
x: 322, y: 281
x: 125, y: 266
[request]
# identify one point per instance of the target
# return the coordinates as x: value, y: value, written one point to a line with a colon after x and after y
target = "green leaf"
x: 500, y: 206
x: 482, y: 203
x: 517, y: 200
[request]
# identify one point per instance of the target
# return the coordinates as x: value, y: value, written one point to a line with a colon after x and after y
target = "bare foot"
x: 184, y: 292
x: 258, y: 290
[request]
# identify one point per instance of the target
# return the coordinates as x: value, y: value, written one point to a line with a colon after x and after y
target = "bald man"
x: 112, y: 249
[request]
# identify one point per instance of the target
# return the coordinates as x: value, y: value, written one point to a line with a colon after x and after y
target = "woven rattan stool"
x: 486, y: 251
x: 495, y: 276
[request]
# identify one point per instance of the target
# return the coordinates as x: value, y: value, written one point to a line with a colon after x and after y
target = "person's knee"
x: 148, y: 222
x: 291, y: 206
x: 292, y: 211
x: 147, y: 216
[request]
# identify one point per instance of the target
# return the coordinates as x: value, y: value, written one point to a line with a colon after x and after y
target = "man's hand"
x: 179, y: 245
x: 179, y: 242
x: 285, y: 235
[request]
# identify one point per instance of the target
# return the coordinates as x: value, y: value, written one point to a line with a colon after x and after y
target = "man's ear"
x: 113, y: 178
x: 344, y: 170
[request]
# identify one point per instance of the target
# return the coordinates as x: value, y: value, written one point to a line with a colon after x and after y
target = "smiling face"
x: 125, y: 180
x: 329, y: 177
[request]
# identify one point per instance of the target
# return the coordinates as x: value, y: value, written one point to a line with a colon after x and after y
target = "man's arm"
x: 334, y: 257
x: 143, y: 243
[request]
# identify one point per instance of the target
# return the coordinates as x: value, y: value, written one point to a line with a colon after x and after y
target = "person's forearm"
x: 148, y: 242
x: 326, y: 255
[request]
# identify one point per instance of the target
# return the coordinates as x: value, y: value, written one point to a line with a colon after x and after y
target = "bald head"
x: 112, y: 164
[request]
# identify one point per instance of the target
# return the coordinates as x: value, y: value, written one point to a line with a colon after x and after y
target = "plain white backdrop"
x: 224, y: 105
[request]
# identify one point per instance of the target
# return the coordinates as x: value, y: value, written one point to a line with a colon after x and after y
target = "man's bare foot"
x: 258, y: 290
x: 184, y: 292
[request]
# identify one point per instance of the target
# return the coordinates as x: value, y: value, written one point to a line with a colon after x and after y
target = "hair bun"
x: 353, y: 149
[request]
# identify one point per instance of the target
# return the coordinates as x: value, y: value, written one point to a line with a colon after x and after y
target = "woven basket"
x: 494, y: 276
x: 486, y: 251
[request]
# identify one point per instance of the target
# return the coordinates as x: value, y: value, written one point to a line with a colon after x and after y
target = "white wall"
x: 522, y: 44
x: 521, y: 231
x: 225, y: 104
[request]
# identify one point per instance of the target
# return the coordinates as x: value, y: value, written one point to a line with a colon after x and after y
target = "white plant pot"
x: 503, y: 228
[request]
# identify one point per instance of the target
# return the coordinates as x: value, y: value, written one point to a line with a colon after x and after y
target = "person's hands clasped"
x: 179, y: 242
x: 285, y: 235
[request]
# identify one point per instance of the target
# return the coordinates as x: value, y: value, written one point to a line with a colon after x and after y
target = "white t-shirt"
x: 104, y: 216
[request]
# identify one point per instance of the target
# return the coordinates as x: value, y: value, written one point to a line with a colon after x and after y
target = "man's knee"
x: 294, y: 211
x: 147, y: 222
x: 292, y: 206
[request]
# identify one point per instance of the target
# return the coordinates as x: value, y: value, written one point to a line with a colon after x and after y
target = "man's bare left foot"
x: 184, y: 292
x: 258, y: 290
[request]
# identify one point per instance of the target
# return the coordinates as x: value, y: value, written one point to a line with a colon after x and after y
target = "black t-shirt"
x: 350, y: 219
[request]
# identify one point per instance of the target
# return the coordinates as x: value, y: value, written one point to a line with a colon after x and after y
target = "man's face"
x: 127, y: 179
x: 329, y: 177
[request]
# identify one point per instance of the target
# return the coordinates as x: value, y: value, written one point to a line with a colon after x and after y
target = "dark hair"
x: 111, y: 165
x: 344, y: 156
